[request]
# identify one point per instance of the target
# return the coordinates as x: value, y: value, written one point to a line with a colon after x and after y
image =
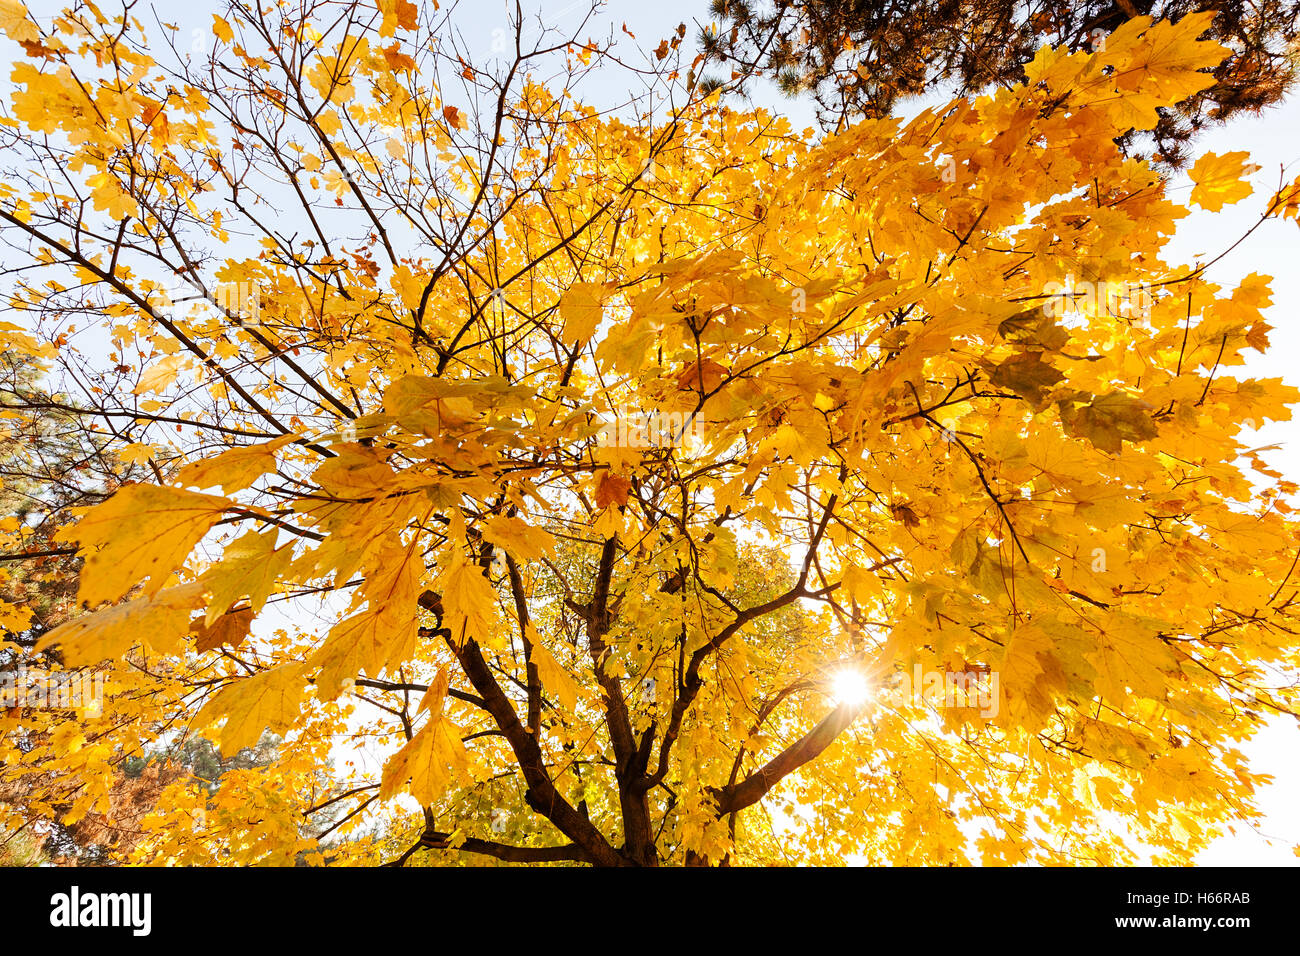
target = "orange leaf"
x: 612, y: 490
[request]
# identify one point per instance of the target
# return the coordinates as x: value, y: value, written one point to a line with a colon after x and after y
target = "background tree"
x: 50, y: 464
x: 628, y: 461
x: 860, y: 58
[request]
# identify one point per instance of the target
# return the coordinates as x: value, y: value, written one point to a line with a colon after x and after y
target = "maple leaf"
x: 385, y: 632
x: 235, y: 469
x: 398, y: 14
x: 399, y: 61
x: 38, y: 49
x: 141, y: 534
x: 249, y: 569
x: 160, y: 620
x: 16, y: 24
x: 703, y: 376
x: 230, y: 629
x: 553, y: 676
x: 1286, y: 202
x: 454, y: 117
x: 222, y: 29
x: 612, y: 490
x: 433, y: 757
x: 1220, y: 179
x: 160, y: 375
x: 1157, y: 65
x: 138, y: 453
x: 522, y: 540
x: 1027, y: 375
x: 581, y: 308
x: 269, y: 700
x: 1111, y: 419
x: 468, y: 601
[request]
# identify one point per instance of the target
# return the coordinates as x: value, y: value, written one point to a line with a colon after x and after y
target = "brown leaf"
x: 366, y: 265
x: 231, y: 628
x: 1110, y: 420
x: 905, y: 514
x: 397, y: 60
x: 454, y: 117
x: 1027, y: 375
x: 37, y: 48
x: 612, y: 490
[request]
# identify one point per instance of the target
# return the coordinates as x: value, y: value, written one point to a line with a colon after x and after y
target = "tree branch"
x: 754, y: 787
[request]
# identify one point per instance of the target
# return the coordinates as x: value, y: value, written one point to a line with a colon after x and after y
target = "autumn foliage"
x: 862, y: 57
x: 376, y: 316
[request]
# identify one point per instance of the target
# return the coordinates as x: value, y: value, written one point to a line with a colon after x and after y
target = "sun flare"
x: 850, y: 687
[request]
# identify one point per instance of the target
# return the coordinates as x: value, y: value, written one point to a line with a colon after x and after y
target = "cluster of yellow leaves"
x: 979, y: 414
x: 433, y: 756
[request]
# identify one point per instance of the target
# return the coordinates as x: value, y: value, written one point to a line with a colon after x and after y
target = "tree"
x: 50, y: 465
x: 860, y: 58
x: 652, y: 487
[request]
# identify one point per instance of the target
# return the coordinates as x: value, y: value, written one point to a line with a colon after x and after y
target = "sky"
x: 1273, y: 141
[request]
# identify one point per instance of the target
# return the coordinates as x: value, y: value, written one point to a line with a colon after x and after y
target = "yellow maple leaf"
x: 161, y: 374
x: 581, y: 307
x: 249, y: 568
x: 235, y: 469
x: 138, y: 453
x: 109, y: 196
x: 1154, y: 65
x: 1220, y: 179
x: 468, y: 601
x: 222, y: 29
x: 385, y: 632
x: 553, y: 676
x: 433, y: 757
x: 397, y: 13
x: 142, y: 533
x: 13, y: 618
x: 270, y: 700
x: 523, y: 541
x: 1286, y: 202
x: 16, y: 24
x: 329, y: 122
x: 436, y: 693
x: 161, y: 621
